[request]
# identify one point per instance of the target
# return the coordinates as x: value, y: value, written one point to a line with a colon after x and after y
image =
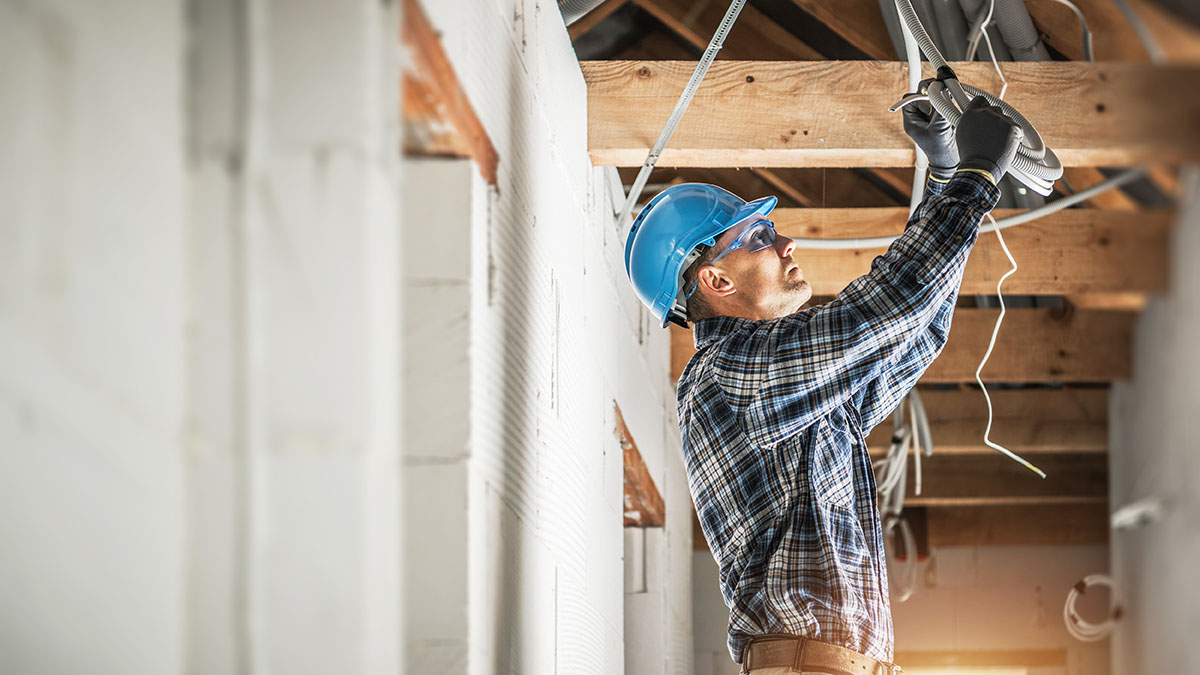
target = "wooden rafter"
x: 1070, y: 524
x: 1113, y: 36
x: 770, y: 113
x: 755, y: 37
x: 644, y: 505
x: 858, y: 22
x: 438, y: 117
x: 996, y: 480
x: 1073, y: 251
x: 1034, y: 345
x: 1029, y: 421
x: 1045, y: 525
x: 591, y: 19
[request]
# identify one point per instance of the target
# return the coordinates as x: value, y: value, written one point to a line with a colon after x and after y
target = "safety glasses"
x: 755, y: 238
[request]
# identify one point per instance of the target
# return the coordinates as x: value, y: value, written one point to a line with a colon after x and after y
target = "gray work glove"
x: 987, y: 138
x: 932, y: 133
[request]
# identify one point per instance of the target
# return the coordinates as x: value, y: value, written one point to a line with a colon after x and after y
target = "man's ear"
x: 715, y: 281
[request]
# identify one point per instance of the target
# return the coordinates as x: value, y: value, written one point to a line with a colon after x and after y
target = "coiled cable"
x: 1035, y: 165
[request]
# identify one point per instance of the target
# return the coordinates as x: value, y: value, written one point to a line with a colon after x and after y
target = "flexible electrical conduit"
x: 1035, y: 165
x: 1017, y: 219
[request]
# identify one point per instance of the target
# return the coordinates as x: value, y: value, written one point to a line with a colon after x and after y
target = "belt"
x: 810, y: 656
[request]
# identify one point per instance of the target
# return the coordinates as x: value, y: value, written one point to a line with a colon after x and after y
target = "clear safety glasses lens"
x: 755, y: 238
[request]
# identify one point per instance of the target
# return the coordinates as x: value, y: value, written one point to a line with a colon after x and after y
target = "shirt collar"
x: 708, y: 331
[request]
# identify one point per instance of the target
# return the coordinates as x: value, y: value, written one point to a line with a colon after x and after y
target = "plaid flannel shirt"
x: 773, y: 415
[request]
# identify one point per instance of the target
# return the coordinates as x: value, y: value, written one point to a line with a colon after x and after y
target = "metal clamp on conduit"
x: 1035, y: 165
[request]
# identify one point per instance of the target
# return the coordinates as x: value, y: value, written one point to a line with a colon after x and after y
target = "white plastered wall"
x: 92, y: 202
x: 199, y: 313
x: 1156, y: 457
x: 555, y: 338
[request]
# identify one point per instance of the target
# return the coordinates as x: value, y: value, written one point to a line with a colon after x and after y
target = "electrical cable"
x: 1035, y: 165
x: 1000, y: 224
x: 1088, y: 54
x: 1151, y: 45
x: 685, y: 99
x: 991, y: 345
x: 903, y: 590
x: 1083, y: 630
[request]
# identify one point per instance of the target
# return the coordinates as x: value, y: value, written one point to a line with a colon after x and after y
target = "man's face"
x: 770, y: 282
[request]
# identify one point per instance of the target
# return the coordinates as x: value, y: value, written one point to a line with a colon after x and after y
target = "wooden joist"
x: 1034, y: 345
x: 858, y: 22
x: 1045, y: 525
x: 438, y: 117
x: 593, y: 18
x: 644, y: 506
x: 1070, y: 252
x: 1114, y: 37
x: 1011, y: 525
x: 777, y: 113
x: 1027, y: 421
x: 996, y: 480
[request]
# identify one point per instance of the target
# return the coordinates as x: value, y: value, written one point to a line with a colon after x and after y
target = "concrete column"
x: 294, y: 481
x: 91, y: 336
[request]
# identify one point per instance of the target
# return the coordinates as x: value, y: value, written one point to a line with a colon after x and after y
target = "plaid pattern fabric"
x: 773, y: 416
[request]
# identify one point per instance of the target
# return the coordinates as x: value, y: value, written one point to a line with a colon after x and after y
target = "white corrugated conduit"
x: 1035, y: 165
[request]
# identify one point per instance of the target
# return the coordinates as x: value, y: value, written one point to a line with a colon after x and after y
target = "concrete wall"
x: 225, y: 313
x: 92, y: 271
x: 199, y: 312
x: 1154, y: 457
x: 556, y: 337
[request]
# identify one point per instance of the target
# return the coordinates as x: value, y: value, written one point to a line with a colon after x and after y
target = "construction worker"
x: 776, y: 403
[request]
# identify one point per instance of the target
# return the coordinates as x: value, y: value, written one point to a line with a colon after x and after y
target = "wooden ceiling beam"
x: 834, y: 114
x: 591, y: 19
x: 1046, y: 525
x: 1033, y: 421
x: 858, y: 22
x: 1078, y: 524
x: 1113, y: 36
x: 754, y: 36
x: 996, y: 480
x: 1034, y: 345
x: 438, y: 117
x: 643, y: 503
x: 1074, y: 251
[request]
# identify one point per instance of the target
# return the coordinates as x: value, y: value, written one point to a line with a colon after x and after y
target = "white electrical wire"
x: 991, y: 345
x: 1088, y: 54
x: 1083, y: 630
x: 907, y: 582
x: 978, y: 31
x: 1152, y: 48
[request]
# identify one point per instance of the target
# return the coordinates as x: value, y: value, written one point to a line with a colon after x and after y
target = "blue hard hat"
x: 667, y: 230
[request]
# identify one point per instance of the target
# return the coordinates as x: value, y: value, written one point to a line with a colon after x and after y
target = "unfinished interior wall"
x: 92, y: 200
x: 1154, y: 457
x: 294, y: 372
x: 199, y: 318
x: 555, y: 339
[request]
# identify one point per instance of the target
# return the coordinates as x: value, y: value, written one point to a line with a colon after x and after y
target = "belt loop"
x: 746, y: 658
x: 798, y: 661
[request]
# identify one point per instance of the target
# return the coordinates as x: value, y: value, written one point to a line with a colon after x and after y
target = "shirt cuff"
x: 973, y: 188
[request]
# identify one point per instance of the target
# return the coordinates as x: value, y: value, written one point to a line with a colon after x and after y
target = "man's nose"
x: 784, y: 245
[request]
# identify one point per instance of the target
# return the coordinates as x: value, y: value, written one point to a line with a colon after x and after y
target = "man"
x: 776, y: 403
